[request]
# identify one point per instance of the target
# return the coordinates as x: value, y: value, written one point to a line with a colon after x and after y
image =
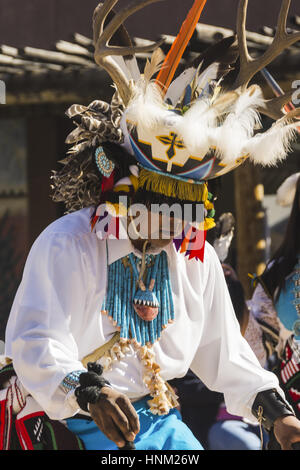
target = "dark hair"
x: 79, y: 183
x: 285, y: 258
x: 237, y: 294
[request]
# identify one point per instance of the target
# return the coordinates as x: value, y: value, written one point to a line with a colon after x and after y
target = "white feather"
x: 121, y: 63
x: 209, y: 74
x: 147, y: 107
x: 126, y: 143
x: 228, y: 124
x: 272, y: 146
x: 129, y: 67
x: 287, y: 191
x: 177, y: 87
x: 194, y: 127
x: 133, y: 68
x: 239, y: 126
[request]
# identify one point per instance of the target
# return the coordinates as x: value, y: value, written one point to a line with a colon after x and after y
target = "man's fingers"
x: 289, y: 443
x: 286, y: 446
x: 132, y: 417
x: 116, y: 417
x: 122, y: 423
x: 111, y: 431
x: 106, y: 425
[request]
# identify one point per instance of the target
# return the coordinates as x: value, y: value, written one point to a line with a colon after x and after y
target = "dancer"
x: 109, y: 309
x: 275, y: 303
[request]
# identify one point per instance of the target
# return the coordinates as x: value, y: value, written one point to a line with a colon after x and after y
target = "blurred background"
x: 46, y: 63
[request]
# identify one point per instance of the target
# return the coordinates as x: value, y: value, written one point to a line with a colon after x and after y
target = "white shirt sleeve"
x: 38, y: 335
x: 254, y: 337
x: 224, y: 360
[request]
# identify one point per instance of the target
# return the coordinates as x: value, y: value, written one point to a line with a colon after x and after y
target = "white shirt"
x: 56, y: 321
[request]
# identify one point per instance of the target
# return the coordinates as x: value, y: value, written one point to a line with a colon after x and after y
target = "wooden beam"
x: 75, y: 49
x: 8, y: 50
x: 11, y: 70
x: 60, y: 57
x: 209, y: 33
x: 296, y: 20
x: 9, y: 60
x: 27, y: 64
x: 83, y: 40
x: 43, y: 97
x: 268, y: 31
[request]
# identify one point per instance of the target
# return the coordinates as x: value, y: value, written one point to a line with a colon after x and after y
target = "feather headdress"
x: 181, y: 130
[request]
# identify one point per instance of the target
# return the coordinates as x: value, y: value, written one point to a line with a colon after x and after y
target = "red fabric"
x: 6, y: 418
x: 25, y: 441
x: 2, y: 423
x: 108, y: 183
x: 199, y: 245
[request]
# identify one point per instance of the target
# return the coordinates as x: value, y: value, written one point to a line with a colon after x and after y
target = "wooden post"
x: 250, y: 224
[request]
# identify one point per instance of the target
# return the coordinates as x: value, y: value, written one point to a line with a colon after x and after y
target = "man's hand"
x: 115, y: 416
x: 287, y: 431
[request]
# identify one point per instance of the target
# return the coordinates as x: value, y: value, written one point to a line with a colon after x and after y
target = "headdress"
x: 180, y: 133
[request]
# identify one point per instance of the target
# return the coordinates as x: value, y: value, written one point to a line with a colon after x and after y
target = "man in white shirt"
x: 56, y: 321
x: 153, y: 312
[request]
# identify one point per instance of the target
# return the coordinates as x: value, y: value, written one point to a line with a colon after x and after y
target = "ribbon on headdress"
x: 192, y: 243
x: 277, y: 90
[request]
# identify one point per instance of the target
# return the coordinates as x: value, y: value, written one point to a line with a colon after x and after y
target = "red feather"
x: 176, y: 52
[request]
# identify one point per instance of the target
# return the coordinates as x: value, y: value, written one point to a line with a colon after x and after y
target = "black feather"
x: 224, y: 52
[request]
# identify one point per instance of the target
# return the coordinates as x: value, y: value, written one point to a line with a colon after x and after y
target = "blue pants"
x: 156, y: 432
x: 234, y: 435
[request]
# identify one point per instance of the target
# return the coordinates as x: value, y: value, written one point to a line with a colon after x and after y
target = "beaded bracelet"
x: 91, y: 383
x: 71, y: 381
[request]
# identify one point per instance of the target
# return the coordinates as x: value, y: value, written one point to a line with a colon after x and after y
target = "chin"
x: 160, y: 243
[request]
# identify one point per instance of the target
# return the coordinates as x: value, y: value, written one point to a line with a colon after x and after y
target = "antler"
x: 295, y: 114
x: 103, y: 35
x: 249, y: 66
x: 273, y: 107
x: 282, y: 40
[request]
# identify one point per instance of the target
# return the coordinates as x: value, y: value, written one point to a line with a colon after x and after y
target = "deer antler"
x: 282, y: 40
x: 295, y: 114
x: 249, y: 66
x: 104, y: 33
x: 273, y: 107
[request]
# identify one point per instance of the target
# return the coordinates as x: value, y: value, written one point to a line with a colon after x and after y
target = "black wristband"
x: 268, y: 406
x: 90, y: 387
x: 128, y: 446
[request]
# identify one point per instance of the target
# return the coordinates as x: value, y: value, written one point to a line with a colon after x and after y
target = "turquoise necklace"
x: 140, y: 313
